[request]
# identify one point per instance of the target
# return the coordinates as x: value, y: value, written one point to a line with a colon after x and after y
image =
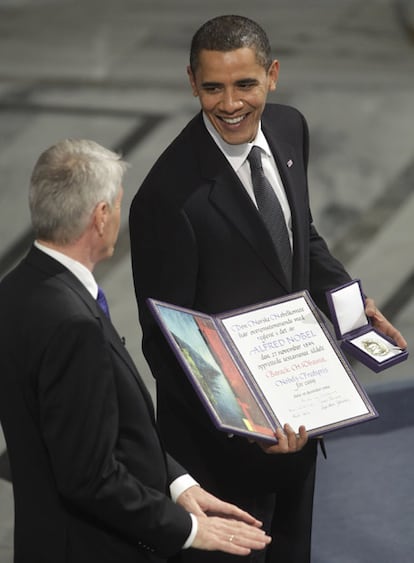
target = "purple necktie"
x: 271, y: 212
x: 102, y: 302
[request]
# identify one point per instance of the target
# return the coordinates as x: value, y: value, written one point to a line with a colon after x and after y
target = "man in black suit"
x: 92, y: 482
x: 199, y: 241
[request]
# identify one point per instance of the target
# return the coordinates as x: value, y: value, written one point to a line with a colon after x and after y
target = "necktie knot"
x: 255, y: 158
x: 102, y: 302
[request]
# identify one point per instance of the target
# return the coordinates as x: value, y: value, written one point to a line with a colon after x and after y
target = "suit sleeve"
x: 165, y: 265
x: 326, y: 272
x: 79, y: 413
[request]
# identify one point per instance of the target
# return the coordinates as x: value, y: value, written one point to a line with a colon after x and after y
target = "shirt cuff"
x: 177, y: 487
x: 181, y: 484
x: 193, y: 533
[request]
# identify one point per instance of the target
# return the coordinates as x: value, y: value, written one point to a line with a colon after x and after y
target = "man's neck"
x: 74, y: 251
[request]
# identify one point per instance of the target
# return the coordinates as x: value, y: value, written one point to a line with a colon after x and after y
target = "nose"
x: 231, y: 101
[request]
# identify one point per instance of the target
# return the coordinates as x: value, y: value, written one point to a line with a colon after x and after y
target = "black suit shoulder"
x: 173, y: 176
x: 28, y: 292
x: 281, y: 111
x: 283, y: 117
x: 283, y: 123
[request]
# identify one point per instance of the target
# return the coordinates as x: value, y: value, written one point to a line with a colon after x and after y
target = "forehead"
x: 240, y: 62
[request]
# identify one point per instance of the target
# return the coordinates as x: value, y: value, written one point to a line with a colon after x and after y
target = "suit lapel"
x: 291, y: 173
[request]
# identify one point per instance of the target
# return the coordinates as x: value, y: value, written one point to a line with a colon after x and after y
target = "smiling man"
x: 202, y: 239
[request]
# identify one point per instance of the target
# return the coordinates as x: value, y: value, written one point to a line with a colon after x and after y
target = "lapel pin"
x: 289, y: 163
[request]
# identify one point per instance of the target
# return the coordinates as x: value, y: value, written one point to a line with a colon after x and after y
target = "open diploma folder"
x: 259, y: 367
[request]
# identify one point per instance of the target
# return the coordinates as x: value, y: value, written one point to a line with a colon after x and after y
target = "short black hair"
x: 228, y: 33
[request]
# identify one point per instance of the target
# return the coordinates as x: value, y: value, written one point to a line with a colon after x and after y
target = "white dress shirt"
x: 237, y: 158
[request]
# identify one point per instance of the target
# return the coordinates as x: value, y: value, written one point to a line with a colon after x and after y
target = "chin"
x: 108, y: 254
x: 237, y: 139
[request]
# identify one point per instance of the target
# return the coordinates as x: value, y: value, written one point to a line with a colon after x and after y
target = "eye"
x: 212, y: 88
x: 247, y: 84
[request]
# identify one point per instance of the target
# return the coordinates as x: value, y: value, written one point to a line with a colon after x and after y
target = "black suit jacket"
x: 198, y: 241
x: 90, y: 475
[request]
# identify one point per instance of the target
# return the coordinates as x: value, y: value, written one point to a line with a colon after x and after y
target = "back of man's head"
x: 69, y: 179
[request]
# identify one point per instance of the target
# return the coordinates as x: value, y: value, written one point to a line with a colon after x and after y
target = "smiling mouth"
x: 233, y: 120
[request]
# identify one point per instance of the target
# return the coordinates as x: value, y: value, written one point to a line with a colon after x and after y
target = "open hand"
x: 230, y: 536
x: 201, y: 503
x: 221, y: 525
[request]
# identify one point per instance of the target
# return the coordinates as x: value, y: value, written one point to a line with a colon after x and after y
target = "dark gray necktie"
x: 271, y: 212
x: 102, y: 302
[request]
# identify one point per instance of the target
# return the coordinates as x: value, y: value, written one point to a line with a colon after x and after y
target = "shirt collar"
x: 237, y: 154
x: 79, y: 270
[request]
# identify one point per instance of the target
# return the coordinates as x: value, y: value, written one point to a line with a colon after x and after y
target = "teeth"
x: 233, y: 120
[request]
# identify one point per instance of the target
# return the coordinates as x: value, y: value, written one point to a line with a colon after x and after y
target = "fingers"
x: 199, y: 502
x: 396, y: 336
x: 400, y: 340
x: 288, y: 441
x: 383, y: 324
x: 230, y: 510
x: 303, y: 436
x: 370, y: 307
x: 229, y: 536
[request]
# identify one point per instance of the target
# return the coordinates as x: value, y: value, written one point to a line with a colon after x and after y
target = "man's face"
x: 232, y: 87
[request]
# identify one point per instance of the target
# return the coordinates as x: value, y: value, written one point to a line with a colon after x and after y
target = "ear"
x: 100, y: 217
x: 191, y: 78
x: 273, y: 74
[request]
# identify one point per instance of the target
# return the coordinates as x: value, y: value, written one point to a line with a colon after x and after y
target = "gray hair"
x: 228, y: 33
x: 68, y: 181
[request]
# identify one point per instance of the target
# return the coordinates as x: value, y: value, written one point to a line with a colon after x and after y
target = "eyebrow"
x: 242, y: 81
x: 211, y: 84
x: 247, y: 81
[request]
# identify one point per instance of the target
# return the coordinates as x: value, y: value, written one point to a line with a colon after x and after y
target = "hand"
x: 230, y: 536
x: 236, y: 532
x: 288, y: 441
x: 201, y: 503
x: 382, y: 324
